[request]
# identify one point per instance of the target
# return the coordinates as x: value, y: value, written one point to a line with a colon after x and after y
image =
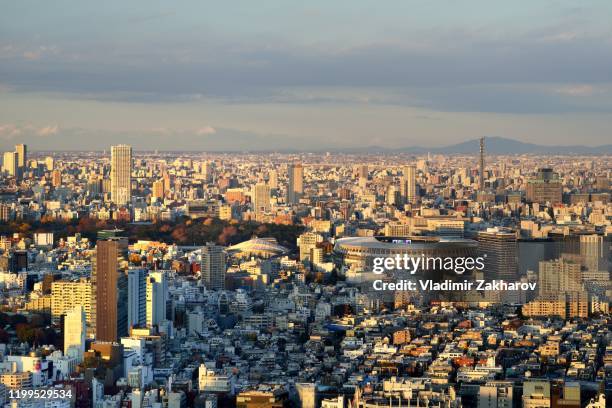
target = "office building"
x: 157, y: 296
x: 261, y: 198
x: 545, y: 187
x: 109, y: 290
x: 158, y: 189
x: 213, y: 266
x: 22, y: 156
x: 10, y: 163
x: 499, y: 248
x: 137, y: 287
x: 74, y: 333
x: 559, y: 276
x: 121, y: 174
x: 408, y: 185
x: 273, y: 179
x: 295, y: 188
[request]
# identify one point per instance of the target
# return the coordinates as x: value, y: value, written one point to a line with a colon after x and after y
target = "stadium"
x: 355, y: 255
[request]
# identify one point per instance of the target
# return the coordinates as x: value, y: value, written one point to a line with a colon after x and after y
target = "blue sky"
x: 278, y: 74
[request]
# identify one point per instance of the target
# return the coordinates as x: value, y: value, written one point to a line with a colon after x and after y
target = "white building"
x: 74, y: 333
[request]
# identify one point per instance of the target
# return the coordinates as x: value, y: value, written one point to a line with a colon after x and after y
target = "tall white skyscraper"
x: 74, y: 333
x: 137, y: 307
x: 261, y: 198
x: 295, y: 189
x: 213, y: 266
x: 121, y: 174
x: 10, y: 163
x: 157, y: 296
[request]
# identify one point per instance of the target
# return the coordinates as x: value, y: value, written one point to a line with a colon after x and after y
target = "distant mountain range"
x: 495, y: 145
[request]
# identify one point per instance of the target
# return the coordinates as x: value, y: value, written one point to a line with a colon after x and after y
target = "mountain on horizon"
x: 502, y: 145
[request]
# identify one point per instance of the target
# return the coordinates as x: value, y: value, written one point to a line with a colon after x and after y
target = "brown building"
x: 545, y: 188
x: 158, y: 189
x: 109, y: 287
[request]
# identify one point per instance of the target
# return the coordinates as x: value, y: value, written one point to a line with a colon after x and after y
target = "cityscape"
x: 175, y: 279
x: 320, y: 204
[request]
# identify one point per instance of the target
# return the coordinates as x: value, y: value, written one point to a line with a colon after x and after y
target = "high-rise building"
x: 121, y: 174
x: 362, y: 171
x: 137, y: 296
x: 481, y: 176
x: 109, y: 290
x: 56, y: 178
x: 49, y: 163
x: 261, y: 198
x: 499, y: 248
x: 392, y: 195
x: 10, y: 163
x: 158, y: 189
x: 559, y: 276
x: 213, y: 266
x: 295, y: 189
x: 545, y: 187
x: 207, y: 171
x: 66, y: 295
x: 408, y: 185
x: 273, y: 179
x: 22, y: 156
x: 74, y: 333
x: 157, y: 296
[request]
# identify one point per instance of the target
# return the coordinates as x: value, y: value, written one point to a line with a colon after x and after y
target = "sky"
x: 278, y: 74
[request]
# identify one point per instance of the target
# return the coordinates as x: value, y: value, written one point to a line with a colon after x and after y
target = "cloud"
x: 576, y: 90
x: 9, y: 131
x: 48, y: 130
x: 206, y: 130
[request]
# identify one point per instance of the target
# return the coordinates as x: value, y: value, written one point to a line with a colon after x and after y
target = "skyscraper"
x: 213, y: 266
x: 408, y: 185
x: 22, y: 158
x: 10, y: 163
x: 157, y: 296
x: 109, y: 290
x: 295, y: 189
x: 74, y: 333
x: 499, y: 250
x: 137, y: 287
x: 121, y: 174
x: 273, y: 179
x: 481, y: 171
x: 261, y: 198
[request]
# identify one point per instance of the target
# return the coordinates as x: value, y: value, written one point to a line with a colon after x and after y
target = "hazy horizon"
x: 277, y: 76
